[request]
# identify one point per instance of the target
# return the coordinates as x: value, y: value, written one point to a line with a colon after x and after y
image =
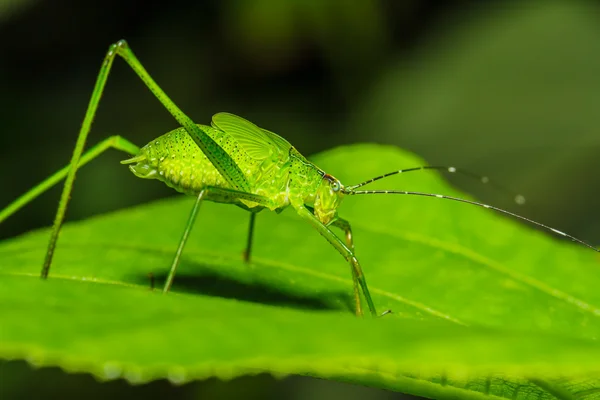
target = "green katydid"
x: 232, y: 161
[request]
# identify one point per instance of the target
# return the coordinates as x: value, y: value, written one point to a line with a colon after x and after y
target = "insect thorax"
x: 304, y: 178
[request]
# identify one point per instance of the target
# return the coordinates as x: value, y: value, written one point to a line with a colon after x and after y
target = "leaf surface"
x: 482, y: 305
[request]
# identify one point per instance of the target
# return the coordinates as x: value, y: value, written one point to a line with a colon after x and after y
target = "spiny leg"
x: 248, y: 249
x: 343, y: 250
x: 113, y: 142
x: 218, y: 157
x: 345, y: 226
x: 231, y: 195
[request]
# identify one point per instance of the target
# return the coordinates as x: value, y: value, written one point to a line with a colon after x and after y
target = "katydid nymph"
x: 231, y: 161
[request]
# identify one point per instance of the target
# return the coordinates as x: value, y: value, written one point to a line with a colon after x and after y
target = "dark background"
x: 498, y: 87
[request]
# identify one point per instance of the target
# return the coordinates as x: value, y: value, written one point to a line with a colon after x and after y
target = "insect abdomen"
x: 175, y: 159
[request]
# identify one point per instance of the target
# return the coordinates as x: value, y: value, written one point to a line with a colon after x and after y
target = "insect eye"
x: 335, y: 186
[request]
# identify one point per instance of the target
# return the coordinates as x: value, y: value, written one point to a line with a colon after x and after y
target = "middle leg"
x: 248, y: 249
x: 231, y: 196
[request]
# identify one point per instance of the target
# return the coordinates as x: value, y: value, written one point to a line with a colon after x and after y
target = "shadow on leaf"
x: 210, y: 283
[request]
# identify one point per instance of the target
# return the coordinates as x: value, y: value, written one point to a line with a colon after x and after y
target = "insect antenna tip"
x: 520, y: 199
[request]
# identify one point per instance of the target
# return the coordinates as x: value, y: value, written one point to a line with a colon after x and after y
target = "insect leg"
x: 184, y: 237
x: 250, y: 237
x: 217, y: 156
x: 113, y: 142
x: 231, y: 195
x: 343, y: 250
x: 345, y: 226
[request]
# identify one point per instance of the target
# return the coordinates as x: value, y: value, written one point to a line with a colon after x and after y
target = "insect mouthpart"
x: 328, y: 198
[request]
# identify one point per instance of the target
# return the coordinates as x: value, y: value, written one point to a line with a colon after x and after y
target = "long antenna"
x: 475, y: 203
x: 518, y: 198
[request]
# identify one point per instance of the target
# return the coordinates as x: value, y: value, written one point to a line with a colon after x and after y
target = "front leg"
x: 357, y: 274
x: 345, y: 226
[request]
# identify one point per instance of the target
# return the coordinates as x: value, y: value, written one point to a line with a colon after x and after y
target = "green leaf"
x: 483, y: 306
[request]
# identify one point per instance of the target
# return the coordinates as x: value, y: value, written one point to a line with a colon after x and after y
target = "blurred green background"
x: 508, y: 89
